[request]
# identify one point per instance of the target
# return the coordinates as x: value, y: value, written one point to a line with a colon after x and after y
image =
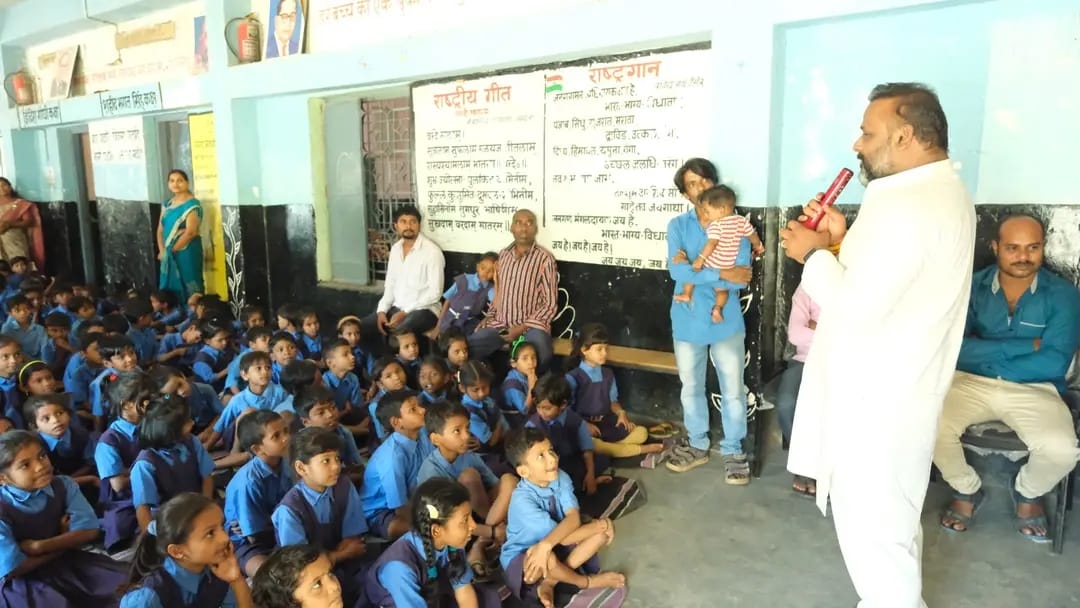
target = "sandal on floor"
x: 977, y: 500
x: 1039, y: 521
x: 808, y: 489
x: 662, y: 431
x: 736, y: 469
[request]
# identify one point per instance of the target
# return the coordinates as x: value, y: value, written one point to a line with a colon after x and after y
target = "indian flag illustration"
x: 552, y: 83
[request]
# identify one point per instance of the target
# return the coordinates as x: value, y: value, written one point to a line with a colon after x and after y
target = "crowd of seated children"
x: 315, y: 407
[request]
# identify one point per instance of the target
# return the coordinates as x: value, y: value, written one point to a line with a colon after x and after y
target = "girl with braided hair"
x: 426, y: 566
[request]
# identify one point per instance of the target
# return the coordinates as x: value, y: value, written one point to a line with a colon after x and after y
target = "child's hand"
x: 531, y: 378
x: 228, y: 569
x: 680, y: 258
x: 30, y: 547
x: 593, y: 429
x: 759, y: 250
x: 65, y: 523
x: 350, y: 547
x: 473, y: 444
x: 625, y: 423
x: 698, y: 265
x: 590, y: 484
x: 536, y: 562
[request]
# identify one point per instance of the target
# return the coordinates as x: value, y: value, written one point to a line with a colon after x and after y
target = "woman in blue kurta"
x: 179, y: 244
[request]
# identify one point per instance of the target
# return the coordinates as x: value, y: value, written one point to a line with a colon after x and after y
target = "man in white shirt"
x: 893, y: 308
x: 414, y: 280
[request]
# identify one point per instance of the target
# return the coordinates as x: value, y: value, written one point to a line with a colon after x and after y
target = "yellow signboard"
x: 204, y: 168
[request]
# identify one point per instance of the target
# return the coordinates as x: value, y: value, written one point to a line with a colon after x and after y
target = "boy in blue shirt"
x: 84, y: 366
x: 282, y: 352
x: 84, y: 310
x: 326, y: 504
x: 391, y: 473
x: 167, y: 311
x: 260, y: 394
x: 178, y: 349
x: 257, y: 488
x: 315, y: 407
x: 11, y: 358
x: 211, y: 362
x: 21, y: 326
x: 258, y: 339
x: 140, y: 318
x: 57, y: 349
x: 545, y: 533
x: 62, y: 294
x: 118, y: 354
x: 340, y: 379
x: 308, y: 340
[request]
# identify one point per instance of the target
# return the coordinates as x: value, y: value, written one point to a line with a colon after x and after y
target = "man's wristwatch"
x: 806, y: 258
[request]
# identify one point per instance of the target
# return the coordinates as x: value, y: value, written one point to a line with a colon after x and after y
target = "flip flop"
x: 978, y: 499
x: 663, y: 430
x: 1038, y: 521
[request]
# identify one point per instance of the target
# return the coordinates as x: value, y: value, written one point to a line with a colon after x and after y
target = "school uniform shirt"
x: 534, y: 513
x: 171, y: 317
x: 436, y: 465
x: 346, y: 389
x: 52, y: 355
x: 310, y: 347
x: 61, y: 446
x: 30, y: 339
x: 233, y: 378
x: 350, y: 454
x: 290, y: 530
x: 512, y: 396
x: 584, y: 440
x: 99, y: 402
x: 275, y: 371
x: 473, y: 283
x: 365, y: 363
x: 377, y: 426
x: 204, y: 403
x: 202, y: 369
x: 67, y: 312
x: 171, y: 342
x: 390, y: 476
x: 145, y: 340
x: 109, y: 461
x: 252, y: 495
x: 427, y: 398
x: 77, y: 378
x: 478, y: 413
x: 81, y: 514
x: 273, y: 398
x: 144, y: 489
x: 187, y: 581
x: 414, y: 282
x: 596, y: 374
x: 403, y: 583
x: 12, y: 400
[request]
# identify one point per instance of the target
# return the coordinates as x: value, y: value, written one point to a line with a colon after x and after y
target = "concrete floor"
x: 701, y: 543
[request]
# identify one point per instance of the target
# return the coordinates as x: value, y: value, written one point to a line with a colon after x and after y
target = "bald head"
x: 1019, y: 246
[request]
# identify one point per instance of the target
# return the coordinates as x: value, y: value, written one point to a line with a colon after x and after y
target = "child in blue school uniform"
x: 486, y: 421
x: 140, y: 318
x: 350, y: 331
x: 167, y: 311
x: 60, y: 295
x: 454, y: 347
x: 257, y: 488
x: 22, y: 327
x: 10, y: 396
x: 44, y: 523
x: 388, y: 375
x: 517, y: 387
x: 179, y: 348
x: 171, y: 461
x: 260, y: 394
x: 258, y: 339
x: 323, y: 509
x: 83, y: 367
x: 118, y: 355
x: 201, y: 398
x: 282, y: 352
x: 297, y: 576
x: 315, y: 407
x: 289, y: 319
x: 184, y: 560
x: 544, y: 531
x: 84, y: 310
x: 57, y: 349
x: 345, y: 385
x: 71, y: 448
x: 115, y: 453
x: 309, y: 340
x: 426, y: 566
x: 467, y: 299
x: 390, y: 476
x: 211, y: 362
x: 406, y: 348
x: 435, y: 380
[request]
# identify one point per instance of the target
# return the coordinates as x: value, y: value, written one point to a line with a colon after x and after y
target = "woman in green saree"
x: 179, y: 244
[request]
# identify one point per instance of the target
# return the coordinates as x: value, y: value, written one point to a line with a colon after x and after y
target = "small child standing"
x: 44, y: 523
x: 212, y: 361
x: 184, y: 560
x: 469, y: 296
x: 257, y: 488
x: 391, y: 473
x: 407, y: 350
x: 310, y: 342
x: 725, y: 231
x: 323, y: 509
x: 425, y: 566
x: 518, y: 386
x: 298, y: 576
x: 22, y: 327
x: 115, y: 453
x: 345, y: 385
x: 546, y: 543
x: 171, y: 461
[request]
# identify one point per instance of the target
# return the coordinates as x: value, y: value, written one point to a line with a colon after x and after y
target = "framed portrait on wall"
x: 285, y: 32
x: 63, y: 72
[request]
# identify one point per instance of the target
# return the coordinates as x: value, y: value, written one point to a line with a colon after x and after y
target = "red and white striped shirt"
x: 729, y: 233
x: 526, y: 291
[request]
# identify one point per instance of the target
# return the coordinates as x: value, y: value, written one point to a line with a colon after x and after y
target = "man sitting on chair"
x: 1023, y: 329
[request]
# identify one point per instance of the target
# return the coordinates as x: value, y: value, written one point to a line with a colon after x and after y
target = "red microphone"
x: 830, y: 197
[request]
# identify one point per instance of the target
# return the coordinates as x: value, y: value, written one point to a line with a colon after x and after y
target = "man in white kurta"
x: 893, y: 307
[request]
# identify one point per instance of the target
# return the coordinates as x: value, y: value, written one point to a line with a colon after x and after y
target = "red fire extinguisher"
x: 244, y: 39
x: 19, y: 86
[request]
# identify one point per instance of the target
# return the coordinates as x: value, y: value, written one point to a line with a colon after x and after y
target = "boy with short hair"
x: 10, y: 395
x: 260, y: 394
x: 84, y: 366
x: 323, y: 509
x: 315, y: 407
x: 21, y: 326
x: 282, y: 352
x: 61, y: 294
x: 211, y: 362
x: 57, y: 350
x: 167, y: 311
x: 340, y: 379
x: 391, y: 472
x: 178, y: 348
x: 118, y: 355
x: 258, y: 487
x: 140, y: 317
x: 258, y: 339
x: 546, y: 543
x: 84, y: 310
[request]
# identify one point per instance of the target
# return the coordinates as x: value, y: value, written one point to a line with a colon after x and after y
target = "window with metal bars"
x: 388, y: 173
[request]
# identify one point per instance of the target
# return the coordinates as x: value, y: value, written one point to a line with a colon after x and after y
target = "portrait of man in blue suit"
x: 286, y: 34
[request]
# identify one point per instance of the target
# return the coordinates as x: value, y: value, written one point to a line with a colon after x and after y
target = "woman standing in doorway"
x: 20, y: 227
x: 179, y: 244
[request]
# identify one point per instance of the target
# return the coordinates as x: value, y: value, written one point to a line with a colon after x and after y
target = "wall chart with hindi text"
x: 590, y: 148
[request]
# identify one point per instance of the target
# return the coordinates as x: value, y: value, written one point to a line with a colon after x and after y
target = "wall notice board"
x: 590, y: 148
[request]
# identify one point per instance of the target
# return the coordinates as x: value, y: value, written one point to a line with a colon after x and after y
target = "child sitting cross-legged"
x: 447, y: 424
x: 315, y: 406
x: 391, y: 473
x: 260, y: 394
x: 257, y: 488
x: 426, y: 566
x: 323, y: 509
x: 546, y: 543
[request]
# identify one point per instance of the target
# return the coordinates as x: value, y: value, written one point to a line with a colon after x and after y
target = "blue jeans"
x: 728, y: 356
x: 787, y: 392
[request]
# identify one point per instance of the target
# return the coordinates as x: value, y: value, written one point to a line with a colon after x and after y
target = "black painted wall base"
x: 128, y: 243
x: 63, y: 243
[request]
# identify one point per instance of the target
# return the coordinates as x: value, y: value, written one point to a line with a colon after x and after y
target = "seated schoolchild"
x: 315, y: 407
x: 115, y: 453
x: 436, y: 382
x: 297, y: 576
x: 45, y: 524
x: 466, y: 301
x: 426, y: 566
x: 22, y: 326
x: 118, y: 354
x: 171, y: 461
x: 71, y: 448
x: 310, y: 341
x: 85, y: 312
x: 202, y: 399
x: 388, y: 375
x: 405, y: 347
x: 211, y: 362
x: 83, y: 366
x: 453, y: 345
x: 167, y: 310
x: 256, y: 338
x: 340, y: 379
x: 323, y: 509
x: 518, y: 386
x: 184, y: 560
x: 546, y: 543
x: 140, y: 319
x: 260, y: 394
x: 349, y: 330
x: 391, y: 473
x: 258, y: 487
x: 289, y: 319
x: 57, y: 349
x: 282, y: 352
x: 486, y: 421
x: 179, y: 348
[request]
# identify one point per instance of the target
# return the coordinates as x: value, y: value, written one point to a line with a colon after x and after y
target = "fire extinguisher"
x: 19, y: 86
x: 244, y: 40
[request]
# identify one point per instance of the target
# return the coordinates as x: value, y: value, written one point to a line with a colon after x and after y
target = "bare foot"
x: 546, y: 592
x: 717, y: 314
x: 607, y: 579
x: 682, y: 298
x: 652, y: 448
x: 962, y: 507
